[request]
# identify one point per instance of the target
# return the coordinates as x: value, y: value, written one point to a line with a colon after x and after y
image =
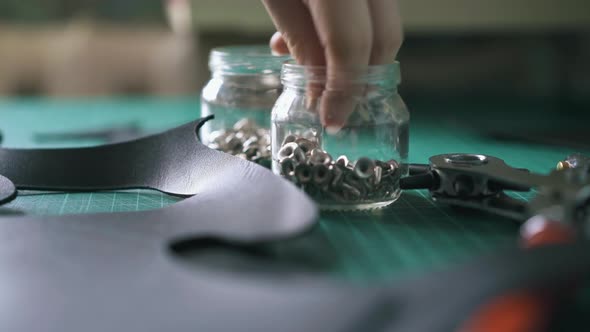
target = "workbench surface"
x: 413, y: 235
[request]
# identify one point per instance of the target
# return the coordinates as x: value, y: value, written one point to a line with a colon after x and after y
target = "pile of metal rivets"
x: 246, y: 140
x: 325, y: 179
x: 575, y: 160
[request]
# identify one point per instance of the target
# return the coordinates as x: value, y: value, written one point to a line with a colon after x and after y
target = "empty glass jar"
x: 244, y: 86
x: 358, y: 164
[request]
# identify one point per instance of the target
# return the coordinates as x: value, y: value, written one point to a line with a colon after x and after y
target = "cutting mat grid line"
x: 94, y: 202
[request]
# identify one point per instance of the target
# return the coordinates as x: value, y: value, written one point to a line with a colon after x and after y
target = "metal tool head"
x: 479, y: 181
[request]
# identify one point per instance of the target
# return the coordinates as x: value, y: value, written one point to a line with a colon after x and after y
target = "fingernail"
x: 332, y: 130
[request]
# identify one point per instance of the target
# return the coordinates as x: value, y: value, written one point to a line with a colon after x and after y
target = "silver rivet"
x: 343, y: 161
x: 287, y: 166
x: 337, y: 175
x: 394, y: 164
x: 318, y: 156
x: 306, y: 145
x: 378, y: 173
x: 289, y: 139
x: 251, y: 141
x: 350, y: 192
x: 287, y: 150
x: 232, y: 143
x: 251, y: 151
x: 321, y: 174
x: 217, y: 136
x: 387, y: 169
x: 241, y: 135
x: 352, y: 180
x: 303, y: 173
x: 364, y: 168
x: 245, y: 125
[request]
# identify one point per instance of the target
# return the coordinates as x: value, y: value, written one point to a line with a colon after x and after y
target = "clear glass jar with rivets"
x: 244, y: 85
x: 356, y: 165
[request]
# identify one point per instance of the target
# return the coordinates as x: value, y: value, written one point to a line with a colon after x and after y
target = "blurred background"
x: 494, y: 49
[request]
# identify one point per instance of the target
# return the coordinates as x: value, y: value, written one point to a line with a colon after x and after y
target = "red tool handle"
x: 523, y: 311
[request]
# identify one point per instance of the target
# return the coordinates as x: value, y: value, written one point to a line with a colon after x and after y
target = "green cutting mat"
x: 411, y: 236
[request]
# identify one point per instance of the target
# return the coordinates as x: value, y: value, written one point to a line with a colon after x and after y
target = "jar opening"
x: 294, y: 75
x: 245, y: 60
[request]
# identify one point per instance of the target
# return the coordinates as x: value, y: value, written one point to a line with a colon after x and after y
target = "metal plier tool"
x: 480, y: 181
x: 557, y: 213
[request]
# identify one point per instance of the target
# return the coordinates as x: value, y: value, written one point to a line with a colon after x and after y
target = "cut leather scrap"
x: 174, y: 162
x: 234, y: 198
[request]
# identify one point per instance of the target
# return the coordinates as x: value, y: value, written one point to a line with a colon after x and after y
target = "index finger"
x: 345, y: 31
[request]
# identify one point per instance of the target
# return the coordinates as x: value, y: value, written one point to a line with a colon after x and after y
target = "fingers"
x: 344, y: 35
x: 293, y: 20
x: 345, y: 31
x: 278, y: 45
x: 387, y: 31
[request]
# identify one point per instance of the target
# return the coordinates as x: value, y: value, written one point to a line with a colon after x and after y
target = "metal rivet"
x: 287, y: 150
x: 232, y: 143
x: 251, y: 151
x: 217, y: 136
x: 245, y: 125
x: 364, y: 168
x: 337, y: 175
x: 394, y: 164
x: 303, y: 173
x: 289, y: 139
x: 321, y: 174
x: 318, y: 156
x: 387, y: 169
x: 352, y: 180
x: 350, y: 192
x: 378, y: 173
x: 287, y: 166
x: 251, y: 141
x: 342, y: 161
x: 306, y: 145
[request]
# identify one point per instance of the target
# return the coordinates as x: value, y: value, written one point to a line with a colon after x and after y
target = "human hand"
x: 340, y: 34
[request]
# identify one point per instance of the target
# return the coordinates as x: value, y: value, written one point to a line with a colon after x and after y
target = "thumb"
x: 278, y: 45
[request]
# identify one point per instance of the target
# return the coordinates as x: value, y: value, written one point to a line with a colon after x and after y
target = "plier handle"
x: 480, y: 181
x: 557, y: 213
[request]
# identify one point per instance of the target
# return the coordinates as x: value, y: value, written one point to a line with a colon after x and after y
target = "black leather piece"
x: 89, y: 272
x: 84, y: 275
x: 115, y: 272
x: 174, y: 162
x: 234, y: 198
x: 7, y: 190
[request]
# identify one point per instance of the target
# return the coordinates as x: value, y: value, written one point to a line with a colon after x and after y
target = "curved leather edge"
x: 171, y: 162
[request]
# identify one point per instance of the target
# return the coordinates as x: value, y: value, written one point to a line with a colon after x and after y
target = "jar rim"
x: 245, y: 60
x: 292, y: 73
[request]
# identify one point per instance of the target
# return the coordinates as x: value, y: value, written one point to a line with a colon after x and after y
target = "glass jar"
x: 244, y: 85
x: 360, y: 165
